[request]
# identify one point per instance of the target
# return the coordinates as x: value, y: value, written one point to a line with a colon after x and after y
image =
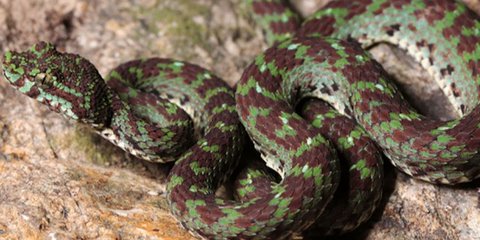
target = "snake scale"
x: 148, y: 107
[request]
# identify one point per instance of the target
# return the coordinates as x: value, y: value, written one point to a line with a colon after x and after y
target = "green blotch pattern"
x: 416, y: 156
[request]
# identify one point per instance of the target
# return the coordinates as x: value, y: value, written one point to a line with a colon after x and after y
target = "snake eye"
x: 44, y: 79
x: 39, y: 78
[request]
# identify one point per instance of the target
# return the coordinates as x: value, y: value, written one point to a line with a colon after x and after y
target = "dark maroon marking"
x: 324, y: 26
x: 268, y: 8
x: 182, y: 207
x: 183, y: 135
x: 150, y: 66
x: 351, y: 183
x: 208, y: 215
x: 81, y: 112
x: 152, y: 100
x: 326, y: 90
x: 20, y: 82
x: 268, y: 125
x: 382, y: 7
x: 335, y: 87
x: 465, y: 20
x: 34, y: 92
x: 399, y: 136
x: 412, y: 28
x: 447, y: 71
x: 433, y: 11
x: 399, y: 4
x: 475, y: 67
x: 455, y: 90
x: 354, y: 7
x: 284, y: 27
x: 218, y: 98
x: 392, y: 29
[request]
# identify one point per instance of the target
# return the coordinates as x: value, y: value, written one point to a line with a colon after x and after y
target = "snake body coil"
x: 133, y: 110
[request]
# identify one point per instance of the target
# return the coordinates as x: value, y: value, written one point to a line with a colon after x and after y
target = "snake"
x: 317, y: 106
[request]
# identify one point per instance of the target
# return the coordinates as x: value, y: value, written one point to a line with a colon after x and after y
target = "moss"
x: 85, y: 142
x: 175, y: 20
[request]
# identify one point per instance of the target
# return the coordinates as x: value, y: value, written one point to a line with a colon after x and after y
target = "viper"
x: 315, y: 104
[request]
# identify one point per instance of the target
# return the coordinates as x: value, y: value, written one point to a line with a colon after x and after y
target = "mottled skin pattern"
x: 443, y: 36
x: 71, y: 85
x: 266, y: 98
x: 361, y: 172
x: 360, y: 189
x: 130, y: 111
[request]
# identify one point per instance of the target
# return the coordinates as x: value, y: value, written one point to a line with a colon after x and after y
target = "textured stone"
x: 62, y: 181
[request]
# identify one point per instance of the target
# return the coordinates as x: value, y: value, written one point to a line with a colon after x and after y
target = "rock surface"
x: 62, y: 181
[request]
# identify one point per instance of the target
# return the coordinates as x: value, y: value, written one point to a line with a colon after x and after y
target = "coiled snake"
x: 134, y: 111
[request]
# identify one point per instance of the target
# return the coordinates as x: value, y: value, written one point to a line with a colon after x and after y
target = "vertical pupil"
x: 43, y: 79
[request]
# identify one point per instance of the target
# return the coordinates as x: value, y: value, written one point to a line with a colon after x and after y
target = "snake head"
x: 66, y: 83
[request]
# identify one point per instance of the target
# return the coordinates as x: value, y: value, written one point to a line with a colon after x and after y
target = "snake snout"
x: 28, y: 71
x: 66, y: 83
x: 12, y: 72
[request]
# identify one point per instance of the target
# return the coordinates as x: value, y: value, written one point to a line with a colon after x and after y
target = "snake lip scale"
x: 318, y: 108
